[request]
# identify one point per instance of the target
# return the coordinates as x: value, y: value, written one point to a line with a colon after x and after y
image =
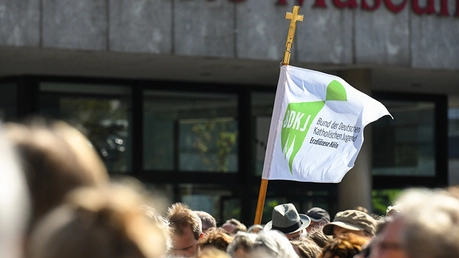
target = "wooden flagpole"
x: 293, y: 17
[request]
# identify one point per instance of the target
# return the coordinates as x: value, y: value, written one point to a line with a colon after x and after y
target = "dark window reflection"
x: 404, y: 146
x: 102, y: 114
x: 8, y: 101
x: 215, y: 199
x: 186, y: 131
x: 262, y: 109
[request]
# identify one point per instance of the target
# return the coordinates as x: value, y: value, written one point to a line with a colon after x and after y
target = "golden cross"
x: 293, y: 17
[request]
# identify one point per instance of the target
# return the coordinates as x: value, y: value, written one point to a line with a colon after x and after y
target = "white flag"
x: 317, y: 126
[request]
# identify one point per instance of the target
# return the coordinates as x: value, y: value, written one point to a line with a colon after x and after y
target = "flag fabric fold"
x: 317, y: 125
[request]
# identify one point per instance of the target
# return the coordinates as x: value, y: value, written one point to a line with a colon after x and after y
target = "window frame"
x: 440, y: 178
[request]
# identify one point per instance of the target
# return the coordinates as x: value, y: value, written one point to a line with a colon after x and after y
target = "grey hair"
x: 242, y: 240
x: 207, y: 220
x: 431, y: 223
x: 272, y: 243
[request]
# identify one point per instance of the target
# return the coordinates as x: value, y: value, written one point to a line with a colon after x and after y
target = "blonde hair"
x: 98, y: 222
x: 212, y: 253
x: 153, y: 215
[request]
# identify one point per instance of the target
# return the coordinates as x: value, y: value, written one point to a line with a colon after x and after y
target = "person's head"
x: 351, y: 221
x: 207, y: 220
x: 319, y: 218
x: 429, y: 223
x: 388, y: 241
x: 56, y: 158
x: 14, y: 202
x: 343, y: 246
x: 255, y: 228
x: 369, y: 246
x: 361, y: 208
x: 453, y: 191
x: 272, y: 243
x: 156, y: 218
x: 232, y: 226
x: 285, y: 218
x: 392, y: 210
x: 306, y: 248
x: 186, y: 229
x: 98, y: 222
x: 319, y: 238
x: 241, y: 245
x: 215, y: 238
x: 212, y: 253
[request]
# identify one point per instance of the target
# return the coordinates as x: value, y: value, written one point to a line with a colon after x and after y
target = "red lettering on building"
x: 321, y: 4
x: 367, y: 7
x: 351, y: 4
x: 393, y: 7
x: 443, y: 8
x: 428, y: 9
x: 284, y: 2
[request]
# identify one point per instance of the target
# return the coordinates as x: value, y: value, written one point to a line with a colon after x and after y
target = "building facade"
x: 179, y: 93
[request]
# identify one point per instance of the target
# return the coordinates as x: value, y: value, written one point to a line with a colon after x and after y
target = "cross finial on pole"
x: 293, y: 17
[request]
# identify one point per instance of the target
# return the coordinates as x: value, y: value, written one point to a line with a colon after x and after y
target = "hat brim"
x: 305, y: 223
x: 328, y: 229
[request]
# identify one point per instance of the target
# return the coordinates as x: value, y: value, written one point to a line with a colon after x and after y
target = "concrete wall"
x: 253, y: 29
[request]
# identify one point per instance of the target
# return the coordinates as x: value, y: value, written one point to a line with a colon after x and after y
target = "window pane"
x: 214, y: 199
x: 262, y: 108
x: 404, y: 146
x: 8, y: 101
x: 453, y: 143
x: 190, y: 131
x: 102, y: 113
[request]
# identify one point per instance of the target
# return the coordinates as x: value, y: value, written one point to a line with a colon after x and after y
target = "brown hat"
x: 352, y: 220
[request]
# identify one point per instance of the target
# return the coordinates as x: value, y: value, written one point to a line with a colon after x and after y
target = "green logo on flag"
x: 298, y: 118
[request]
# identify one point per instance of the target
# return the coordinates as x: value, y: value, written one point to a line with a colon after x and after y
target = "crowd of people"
x: 57, y: 200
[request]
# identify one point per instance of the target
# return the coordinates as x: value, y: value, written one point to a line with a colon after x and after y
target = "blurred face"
x: 240, y: 253
x: 387, y: 245
x: 184, y: 245
x: 339, y: 231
